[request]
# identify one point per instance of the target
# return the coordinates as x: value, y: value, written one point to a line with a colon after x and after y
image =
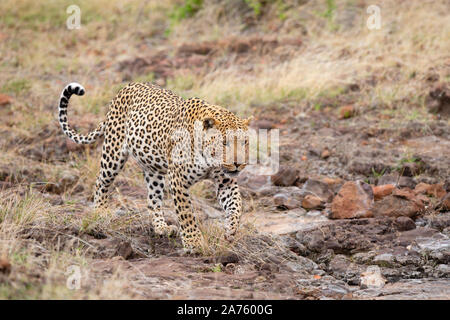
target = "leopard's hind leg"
x: 114, y: 156
x: 155, y: 189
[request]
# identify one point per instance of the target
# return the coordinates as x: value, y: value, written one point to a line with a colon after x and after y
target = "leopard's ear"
x: 208, y: 123
x: 247, y: 121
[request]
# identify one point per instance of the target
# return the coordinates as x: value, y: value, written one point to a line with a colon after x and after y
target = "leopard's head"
x: 225, y: 138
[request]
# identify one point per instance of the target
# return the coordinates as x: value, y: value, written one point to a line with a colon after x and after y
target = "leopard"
x: 155, y: 126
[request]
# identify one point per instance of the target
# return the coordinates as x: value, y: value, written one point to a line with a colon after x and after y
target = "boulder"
x: 354, y: 200
x: 402, y: 202
x: 285, y: 177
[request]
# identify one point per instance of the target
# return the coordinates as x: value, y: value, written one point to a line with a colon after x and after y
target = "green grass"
x: 16, y: 86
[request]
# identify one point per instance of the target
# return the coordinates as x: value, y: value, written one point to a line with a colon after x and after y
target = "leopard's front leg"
x: 179, y: 187
x: 229, y: 198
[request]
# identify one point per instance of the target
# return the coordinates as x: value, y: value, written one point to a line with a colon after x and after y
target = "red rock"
x: 437, y: 191
x: 5, y: 266
x: 446, y: 202
x: 402, y: 202
x: 4, y: 99
x: 432, y: 190
x: 311, y: 202
x: 346, y: 112
x: 354, y: 200
x: 380, y: 192
x: 422, y: 188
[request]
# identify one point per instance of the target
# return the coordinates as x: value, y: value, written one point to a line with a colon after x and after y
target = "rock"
x: 124, y: 250
x: 384, y: 260
x: 401, y: 203
x: 406, y: 182
x: 284, y: 201
x: 382, y: 191
x: 437, y: 191
x: 343, y: 268
x: 446, y: 202
x: 372, y: 278
x: 229, y: 258
x: 325, y: 153
x: 354, y: 200
x: 5, y: 266
x: 318, y: 189
x: 442, y: 271
x: 398, y: 181
x: 285, y: 177
x: 405, y: 223
x: 422, y: 188
x: 438, y: 100
x: 411, y: 169
x: 432, y: 190
x: 263, y: 124
x: 346, y: 112
x: 68, y: 179
x: 252, y: 181
x: 4, y: 99
x: 312, y: 202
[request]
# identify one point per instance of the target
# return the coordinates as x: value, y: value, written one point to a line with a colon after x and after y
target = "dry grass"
x: 42, y: 233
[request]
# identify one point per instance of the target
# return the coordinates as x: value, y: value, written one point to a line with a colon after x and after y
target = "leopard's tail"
x: 76, y: 88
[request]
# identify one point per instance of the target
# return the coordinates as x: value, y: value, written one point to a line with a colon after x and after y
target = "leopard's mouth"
x: 233, y: 170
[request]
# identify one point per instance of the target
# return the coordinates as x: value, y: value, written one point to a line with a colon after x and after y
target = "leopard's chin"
x: 233, y: 173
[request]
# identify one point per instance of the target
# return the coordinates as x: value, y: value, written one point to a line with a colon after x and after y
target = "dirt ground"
x: 363, y: 120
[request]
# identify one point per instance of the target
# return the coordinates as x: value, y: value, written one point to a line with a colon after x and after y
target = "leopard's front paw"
x: 192, y: 244
x: 166, y: 230
x: 230, y: 235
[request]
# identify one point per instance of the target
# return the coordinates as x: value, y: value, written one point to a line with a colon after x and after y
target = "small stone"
x: 446, y: 202
x: 285, y: 177
x: 284, y: 201
x: 229, y: 258
x: 411, y: 169
x: 124, y: 250
x: 437, y: 191
x: 263, y: 124
x: 318, y: 189
x: 372, y: 278
x: 312, y: 202
x: 5, y: 266
x: 4, y: 99
x: 354, y: 200
x: 422, y: 188
x: 384, y: 259
x: 380, y: 192
x: 433, y: 190
x: 405, y: 223
x: 325, y: 153
x: 68, y: 179
x: 346, y: 112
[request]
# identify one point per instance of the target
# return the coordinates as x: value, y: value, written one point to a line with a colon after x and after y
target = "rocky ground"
x: 360, y: 206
